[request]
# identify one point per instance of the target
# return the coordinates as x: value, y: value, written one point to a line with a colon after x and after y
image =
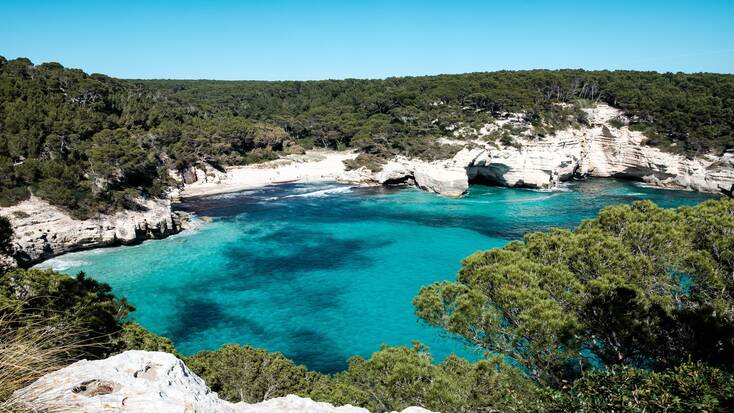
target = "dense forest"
x: 631, y: 311
x: 91, y: 143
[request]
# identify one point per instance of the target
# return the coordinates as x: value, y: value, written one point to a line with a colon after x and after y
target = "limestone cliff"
x: 145, y: 381
x: 600, y: 149
x: 43, y: 231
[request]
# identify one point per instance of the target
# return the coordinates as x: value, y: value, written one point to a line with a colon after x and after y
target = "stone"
x: 447, y: 181
x: 42, y: 231
x: 146, y: 381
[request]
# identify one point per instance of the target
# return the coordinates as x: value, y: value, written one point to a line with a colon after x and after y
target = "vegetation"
x: 632, y: 311
x: 406, y: 114
x: 243, y: 373
x: 39, y: 347
x: 91, y: 143
x: 639, y: 286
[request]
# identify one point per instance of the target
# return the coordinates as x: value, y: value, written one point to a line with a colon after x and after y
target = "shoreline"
x: 312, y: 167
x: 192, y: 221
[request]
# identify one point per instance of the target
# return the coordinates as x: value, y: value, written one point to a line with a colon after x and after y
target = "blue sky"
x: 366, y: 39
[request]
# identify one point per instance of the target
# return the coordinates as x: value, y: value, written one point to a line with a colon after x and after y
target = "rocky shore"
x: 531, y: 161
x: 146, y: 381
x: 43, y: 231
x: 606, y: 147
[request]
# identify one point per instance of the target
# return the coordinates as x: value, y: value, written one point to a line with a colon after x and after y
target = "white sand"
x: 314, y: 166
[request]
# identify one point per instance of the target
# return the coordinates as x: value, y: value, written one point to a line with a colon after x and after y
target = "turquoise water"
x: 323, y: 272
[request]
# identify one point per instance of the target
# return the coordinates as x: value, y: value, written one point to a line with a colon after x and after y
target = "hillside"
x: 91, y: 143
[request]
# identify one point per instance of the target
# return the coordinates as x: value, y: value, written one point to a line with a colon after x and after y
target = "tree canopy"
x: 92, y: 143
x: 638, y: 286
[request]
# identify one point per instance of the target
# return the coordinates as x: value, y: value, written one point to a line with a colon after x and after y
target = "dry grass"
x: 31, y: 346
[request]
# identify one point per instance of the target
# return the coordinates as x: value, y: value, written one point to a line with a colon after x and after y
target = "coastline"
x: 601, y: 150
x: 43, y: 231
x: 311, y: 167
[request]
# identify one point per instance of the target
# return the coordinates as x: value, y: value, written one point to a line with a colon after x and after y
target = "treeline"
x: 632, y: 311
x: 91, y: 143
x: 404, y: 114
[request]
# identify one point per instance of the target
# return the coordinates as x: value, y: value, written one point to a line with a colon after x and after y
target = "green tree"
x: 639, y: 286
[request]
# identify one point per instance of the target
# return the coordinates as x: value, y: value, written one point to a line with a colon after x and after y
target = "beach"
x: 313, y: 166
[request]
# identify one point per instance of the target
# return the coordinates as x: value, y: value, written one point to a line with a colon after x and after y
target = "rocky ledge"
x: 146, y: 381
x: 43, y: 230
x: 606, y: 147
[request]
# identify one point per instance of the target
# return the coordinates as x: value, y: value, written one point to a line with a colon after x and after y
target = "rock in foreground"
x: 146, y: 381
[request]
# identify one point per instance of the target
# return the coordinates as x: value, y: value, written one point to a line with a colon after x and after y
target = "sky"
x: 301, y: 40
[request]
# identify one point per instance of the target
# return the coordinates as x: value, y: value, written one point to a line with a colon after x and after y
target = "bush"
x: 58, y: 298
x: 134, y: 337
x: 690, y: 387
x: 371, y: 162
x: 244, y: 373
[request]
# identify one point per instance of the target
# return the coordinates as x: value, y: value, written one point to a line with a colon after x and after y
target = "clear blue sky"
x: 338, y: 39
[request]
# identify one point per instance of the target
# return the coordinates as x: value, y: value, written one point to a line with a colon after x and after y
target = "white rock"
x: 146, y: 381
x: 447, y: 181
x: 42, y: 230
x: 599, y: 150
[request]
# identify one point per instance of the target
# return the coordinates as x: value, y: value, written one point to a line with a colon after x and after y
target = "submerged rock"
x: 147, y: 381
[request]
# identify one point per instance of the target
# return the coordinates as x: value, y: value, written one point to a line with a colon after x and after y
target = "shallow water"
x: 323, y: 272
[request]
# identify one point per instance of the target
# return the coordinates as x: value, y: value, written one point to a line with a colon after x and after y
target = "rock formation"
x: 603, y: 148
x: 145, y: 381
x: 43, y: 231
x: 598, y: 150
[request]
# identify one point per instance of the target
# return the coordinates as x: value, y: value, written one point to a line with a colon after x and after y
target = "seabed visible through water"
x: 322, y: 272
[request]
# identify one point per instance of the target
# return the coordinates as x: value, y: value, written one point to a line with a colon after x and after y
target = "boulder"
x: 147, y: 381
x: 446, y: 181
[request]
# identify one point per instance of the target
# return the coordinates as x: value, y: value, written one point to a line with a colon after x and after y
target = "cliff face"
x: 145, y: 381
x: 43, y: 231
x: 599, y: 150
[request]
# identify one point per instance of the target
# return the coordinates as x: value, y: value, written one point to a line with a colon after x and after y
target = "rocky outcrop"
x: 447, y: 181
x: 42, y: 230
x: 145, y: 381
x: 440, y: 177
x: 602, y: 149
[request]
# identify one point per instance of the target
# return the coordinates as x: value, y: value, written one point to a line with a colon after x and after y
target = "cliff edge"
x: 146, y: 381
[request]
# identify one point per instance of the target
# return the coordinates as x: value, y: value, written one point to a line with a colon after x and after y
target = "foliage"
x: 91, y: 143
x: 244, y: 373
x: 397, y: 377
x: 690, y: 387
x: 6, y: 235
x: 371, y: 162
x: 405, y: 115
x: 79, y: 300
x: 134, y: 337
x: 639, y: 286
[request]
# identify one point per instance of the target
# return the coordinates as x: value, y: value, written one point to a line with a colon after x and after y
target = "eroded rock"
x: 42, y: 230
x: 145, y: 381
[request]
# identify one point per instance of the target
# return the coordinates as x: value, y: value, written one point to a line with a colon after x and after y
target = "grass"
x: 31, y: 347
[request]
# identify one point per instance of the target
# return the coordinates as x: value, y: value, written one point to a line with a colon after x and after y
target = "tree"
x: 244, y: 373
x: 6, y: 235
x: 639, y: 286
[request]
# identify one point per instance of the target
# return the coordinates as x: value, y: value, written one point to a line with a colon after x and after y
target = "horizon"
x: 361, y: 78
x: 288, y: 40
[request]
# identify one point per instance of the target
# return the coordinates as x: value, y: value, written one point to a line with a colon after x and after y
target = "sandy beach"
x: 314, y: 166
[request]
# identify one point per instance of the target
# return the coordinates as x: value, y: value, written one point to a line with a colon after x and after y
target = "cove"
x: 322, y: 272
